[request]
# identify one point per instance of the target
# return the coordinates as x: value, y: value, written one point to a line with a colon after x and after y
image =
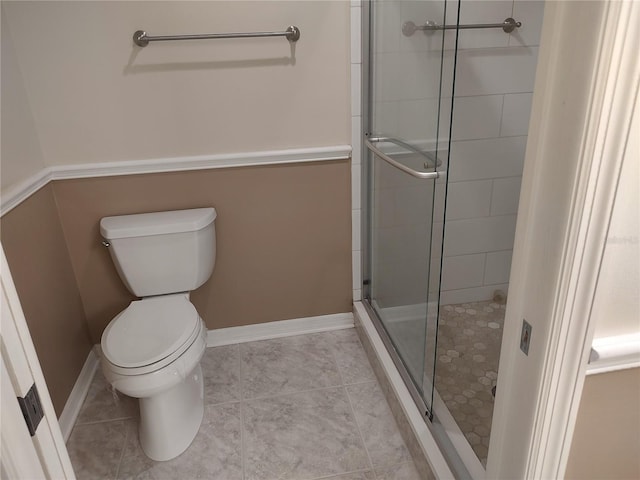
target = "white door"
x: 43, y: 455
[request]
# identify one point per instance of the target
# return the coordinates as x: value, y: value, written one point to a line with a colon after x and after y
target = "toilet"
x: 152, y: 349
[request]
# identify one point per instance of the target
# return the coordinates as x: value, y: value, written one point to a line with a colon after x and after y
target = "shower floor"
x: 468, y: 352
x: 467, y: 356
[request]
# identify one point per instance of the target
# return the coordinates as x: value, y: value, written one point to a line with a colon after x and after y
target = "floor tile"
x: 295, y: 420
x: 368, y: 475
x: 351, y: 358
x: 221, y: 373
x: 214, y: 454
x: 301, y: 436
x: 102, y: 403
x: 403, y: 471
x: 288, y: 365
x: 95, y: 449
x: 379, y: 430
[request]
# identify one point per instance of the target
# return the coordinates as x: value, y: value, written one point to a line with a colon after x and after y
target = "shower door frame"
x: 457, y: 451
x: 557, y: 413
x: 367, y: 87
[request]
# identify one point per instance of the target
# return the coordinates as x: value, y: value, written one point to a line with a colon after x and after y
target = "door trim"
x: 586, y: 88
x: 21, y: 362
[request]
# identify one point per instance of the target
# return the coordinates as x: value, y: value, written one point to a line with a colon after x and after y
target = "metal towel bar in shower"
x: 142, y: 39
x: 432, y: 160
x: 379, y: 153
x: 409, y: 28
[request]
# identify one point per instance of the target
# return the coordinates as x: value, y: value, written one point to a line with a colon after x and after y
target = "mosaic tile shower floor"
x: 468, y: 352
x: 302, y: 407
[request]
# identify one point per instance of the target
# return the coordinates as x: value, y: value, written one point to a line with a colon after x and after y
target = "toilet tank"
x: 162, y: 252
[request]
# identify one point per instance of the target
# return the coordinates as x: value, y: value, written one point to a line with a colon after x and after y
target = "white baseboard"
x: 282, y: 328
x: 79, y: 392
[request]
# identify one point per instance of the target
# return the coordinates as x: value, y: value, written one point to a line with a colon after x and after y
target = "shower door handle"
x: 414, y: 173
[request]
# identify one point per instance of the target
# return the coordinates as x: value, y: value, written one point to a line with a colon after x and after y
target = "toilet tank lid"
x: 157, y: 223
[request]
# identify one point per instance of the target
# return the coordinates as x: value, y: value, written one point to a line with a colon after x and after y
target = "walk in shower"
x: 447, y: 89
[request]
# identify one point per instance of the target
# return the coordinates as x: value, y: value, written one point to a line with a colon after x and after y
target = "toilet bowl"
x: 152, y: 349
x: 162, y: 370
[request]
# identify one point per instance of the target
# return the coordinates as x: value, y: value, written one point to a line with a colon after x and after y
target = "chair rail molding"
x: 23, y: 190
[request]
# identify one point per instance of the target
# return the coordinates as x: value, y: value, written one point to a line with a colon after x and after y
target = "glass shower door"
x: 408, y: 122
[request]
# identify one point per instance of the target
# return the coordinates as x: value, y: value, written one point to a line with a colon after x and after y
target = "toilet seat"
x: 150, y: 333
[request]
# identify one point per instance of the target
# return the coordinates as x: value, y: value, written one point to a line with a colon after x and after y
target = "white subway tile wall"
x: 497, y: 267
x: 506, y: 192
x: 355, y: 186
x: 463, y: 271
x: 479, y: 235
x: 356, y: 80
x: 355, y: 229
x: 356, y: 146
x: 494, y: 85
x: 482, y: 12
x: 495, y: 71
x: 357, y: 272
x: 530, y: 13
x: 477, y: 117
x: 469, y: 199
x: 487, y: 158
x: 493, y: 92
x: 515, y: 114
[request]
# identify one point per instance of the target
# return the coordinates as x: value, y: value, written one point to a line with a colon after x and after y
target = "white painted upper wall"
x: 20, y: 147
x: 95, y: 97
x: 616, y: 308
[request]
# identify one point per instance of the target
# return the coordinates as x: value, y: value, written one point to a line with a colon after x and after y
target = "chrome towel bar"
x: 409, y: 28
x: 380, y: 154
x: 431, y: 158
x: 142, y: 39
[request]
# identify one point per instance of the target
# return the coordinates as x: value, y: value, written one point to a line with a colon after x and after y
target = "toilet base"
x: 170, y: 421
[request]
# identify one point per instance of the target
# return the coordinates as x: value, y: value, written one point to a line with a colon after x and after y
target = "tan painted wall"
x: 606, y: 441
x: 96, y: 97
x: 283, y: 239
x: 40, y: 266
x: 283, y: 251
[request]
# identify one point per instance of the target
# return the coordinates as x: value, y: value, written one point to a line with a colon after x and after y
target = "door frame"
x: 44, y: 455
x: 590, y: 46
x: 541, y: 449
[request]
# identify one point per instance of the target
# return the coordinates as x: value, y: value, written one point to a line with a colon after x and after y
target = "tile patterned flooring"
x: 468, y: 352
x: 294, y: 408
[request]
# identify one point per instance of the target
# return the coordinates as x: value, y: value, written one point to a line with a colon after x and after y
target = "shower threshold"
x: 467, y: 356
x: 441, y: 442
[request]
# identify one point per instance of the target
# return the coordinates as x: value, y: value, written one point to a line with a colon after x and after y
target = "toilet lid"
x: 149, y: 330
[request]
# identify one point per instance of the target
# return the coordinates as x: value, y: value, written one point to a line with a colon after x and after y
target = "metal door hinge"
x: 31, y: 409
